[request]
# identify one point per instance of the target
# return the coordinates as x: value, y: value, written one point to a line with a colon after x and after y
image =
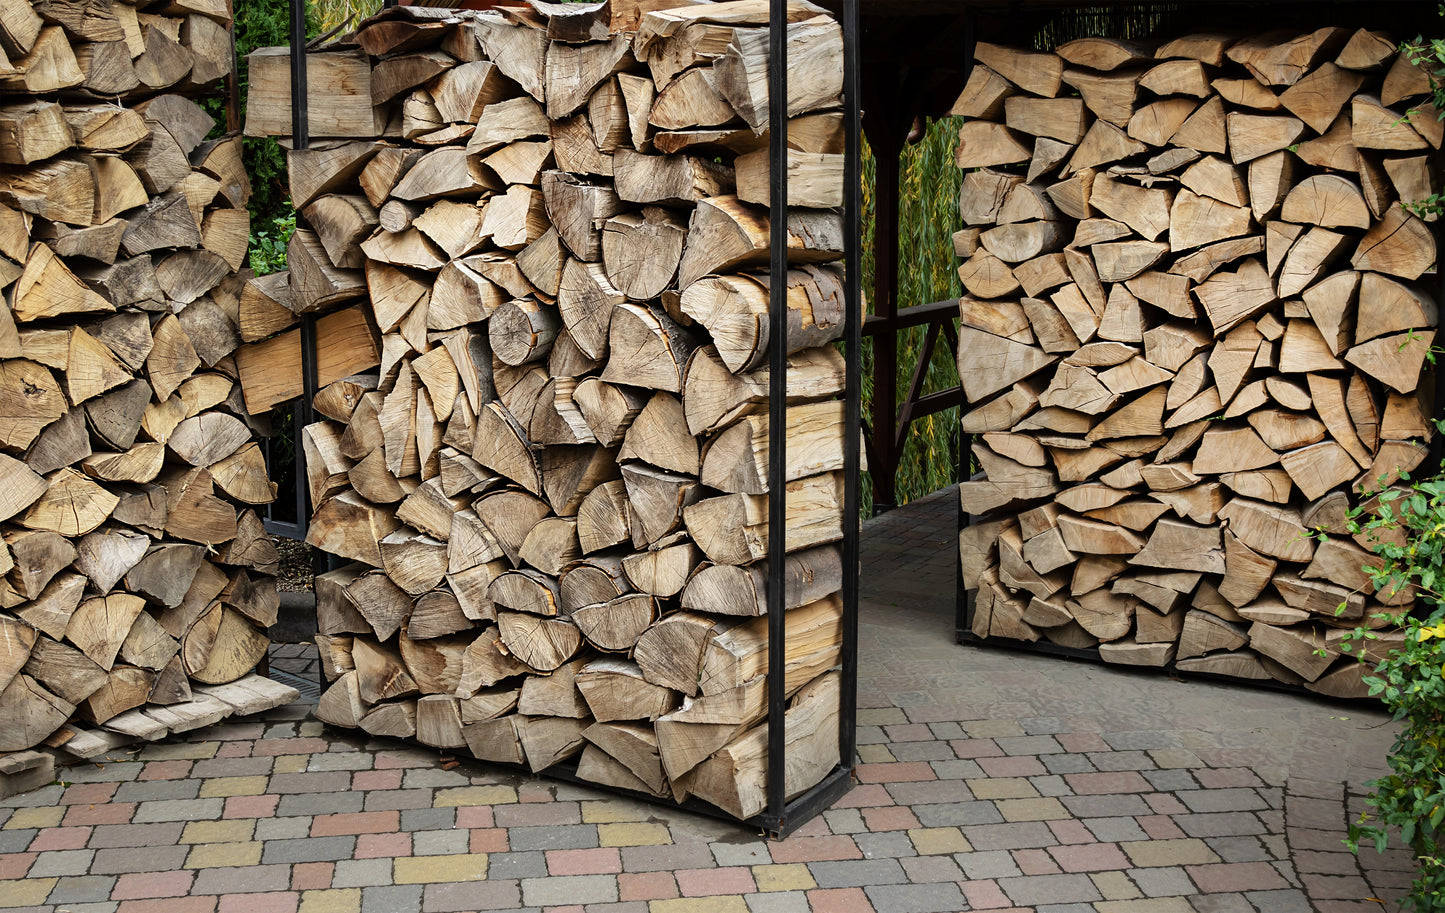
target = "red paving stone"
x: 1236, y: 876
x: 839, y: 900
x: 15, y: 865
x: 375, y: 846
x: 815, y: 849
x: 152, y: 884
x: 895, y: 772
x: 475, y: 816
x: 196, y: 903
x: 251, y: 806
x: 1108, y: 783
x: 984, y: 895
x: 60, y: 838
x: 88, y: 793
x: 711, y: 882
x: 969, y: 749
x: 865, y: 795
x: 270, y: 902
x: 646, y: 886
x: 599, y: 861
x: 312, y: 876
x: 890, y: 818
x: 1090, y: 857
x: 355, y: 823
x: 111, y: 813
x: 489, y: 840
x: 166, y: 770
x: 376, y: 779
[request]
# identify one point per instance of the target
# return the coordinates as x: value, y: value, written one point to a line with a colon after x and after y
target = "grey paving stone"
x: 1066, y: 908
x: 1034, y: 890
x: 320, y: 803
x: 440, y: 843
x: 689, y: 855
x: 391, y: 898
x: 857, y: 873
x: 1289, y: 901
x: 916, y: 898
x: 103, y: 907
x: 1051, y: 785
x: 947, y: 731
x: 886, y: 845
x: 147, y: 790
x: 756, y: 852
x: 1220, y: 824
x: 485, y: 895
x: 45, y: 796
x: 930, y: 791
x: 1107, y: 806
x: 957, y: 769
x: 82, y: 889
x: 1221, y: 800
x: 398, y: 799
x: 1243, y: 849
x: 554, y: 837
x: 1169, y: 881
x: 514, y: 865
x: 1115, y: 830
x: 341, y: 760
x: 1221, y: 903
x: 930, y: 869
x: 1013, y: 836
x: 362, y: 873
x: 283, y: 828
x: 840, y: 821
x: 252, y: 878
x: 982, y: 864
x: 425, y: 777
x: 178, y: 810
x: 872, y: 735
x: 778, y: 902
x: 1133, y: 759
x: 16, y: 841
x: 318, y: 781
x: 922, y: 751
x: 957, y: 814
x: 308, y: 849
x: 1044, y: 725
x: 233, y: 767
x: 103, y: 770
x: 1067, y: 763
x: 61, y: 862
x: 138, y: 859
x: 569, y: 889
x: 428, y: 819
x: 1173, y: 780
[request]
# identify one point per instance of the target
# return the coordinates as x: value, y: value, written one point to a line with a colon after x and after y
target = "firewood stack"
x: 134, y: 565
x: 1192, y: 339
x: 553, y: 492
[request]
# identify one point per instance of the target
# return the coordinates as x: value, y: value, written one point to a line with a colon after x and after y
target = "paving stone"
x: 857, y: 873
x: 138, y: 859
x: 61, y: 862
x: 242, y: 879
x: 1226, y: 800
x: 398, y: 800
x: 1291, y: 901
x: 1249, y: 849
x: 391, y: 898
x: 148, y: 790
x: 916, y: 898
x: 1047, y: 889
x: 283, y: 828
x: 440, y: 843
x: 331, y: 900
x: 82, y: 889
x: 309, y: 849
x: 778, y: 902
x: 428, y: 819
x: 554, y: 837
x: 483, y: 895
x: 1107, y: 806
x: 1166, y: 881
x: 515, y: 865
x: 1021, y: 835
x: 362, y: 873
x: 1220, y: 824
x: 178, y: 810
x: 1172, y: 780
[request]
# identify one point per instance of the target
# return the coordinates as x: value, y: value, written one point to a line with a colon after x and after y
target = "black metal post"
x: 777, y: 403
x: 1437, y: 439
x: 300, y: 123
x: 852, y: 383
x: 962, y: 622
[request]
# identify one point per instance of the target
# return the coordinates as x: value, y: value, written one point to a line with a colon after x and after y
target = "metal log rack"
x: 1408, y: 19
x: 783, y: 814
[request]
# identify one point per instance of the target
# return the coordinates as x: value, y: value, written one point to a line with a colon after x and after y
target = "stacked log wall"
x: 552, y: 491
x: 136, y: 581
x: 1194, y: 337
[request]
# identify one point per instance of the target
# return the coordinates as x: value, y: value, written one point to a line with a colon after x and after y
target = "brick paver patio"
x: 990, y: 780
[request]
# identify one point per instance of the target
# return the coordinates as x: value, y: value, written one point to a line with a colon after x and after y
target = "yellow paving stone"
x: 310, y: 729
x: 223, y: 855
x: 611, y: 811
x: 440, y: 869
x: 290, y: 763
x: 938, y: 841
x: 992, y: 729
x: 638, y: 833
x: 233, y: 786
x: 1002, y: 788
x: 28, y: 893
x: 1115, y: 885
x: 1153, y: 853
x: 788, y: 876
x: 474, y: 795
x: 1032, y: 810
x: 334, y: 900
x: 729, y: 904
x: 1146, y: 905
x: 233, y: 830
x: 875, y: 754
x: 1175, y: 757
x: 42, y: 816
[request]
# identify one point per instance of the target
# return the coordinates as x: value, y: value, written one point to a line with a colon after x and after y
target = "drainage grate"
x: 309, y: 688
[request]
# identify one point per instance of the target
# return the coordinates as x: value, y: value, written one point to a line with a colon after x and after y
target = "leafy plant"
x: 1410, y: 680
x: 269, y: 240
x: 1428, y: 55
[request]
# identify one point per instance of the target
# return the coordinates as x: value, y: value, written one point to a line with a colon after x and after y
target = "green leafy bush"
x: 1429, y: 55
x: 269, y: 240
x: 1410, y: 681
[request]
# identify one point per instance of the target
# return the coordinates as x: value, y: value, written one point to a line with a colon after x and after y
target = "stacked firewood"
x: 1193, y: 339
x: 554, y: 489
x: 133, y: 563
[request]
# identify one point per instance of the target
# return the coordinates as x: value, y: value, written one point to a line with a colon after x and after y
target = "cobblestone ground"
x: 990, y: 780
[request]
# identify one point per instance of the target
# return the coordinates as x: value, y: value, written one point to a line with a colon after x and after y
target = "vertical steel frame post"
x: 962, y: 622
x: 777, y: 403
